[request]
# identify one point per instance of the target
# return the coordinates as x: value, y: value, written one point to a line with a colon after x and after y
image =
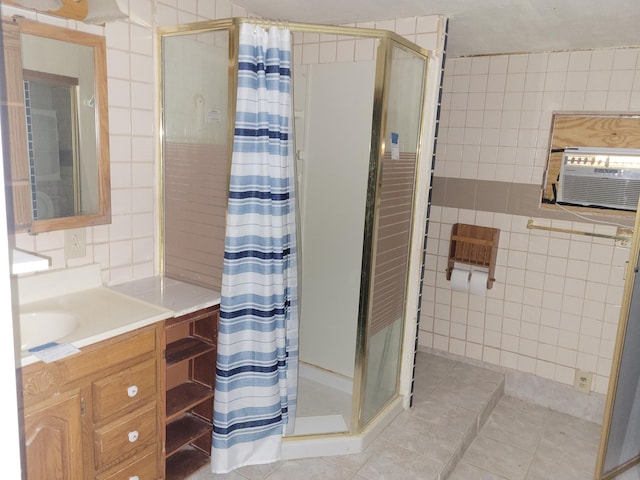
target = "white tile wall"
x: 497, y: 110
x: 329, y: 48
x: 556, y: 302
x: 553, y: 309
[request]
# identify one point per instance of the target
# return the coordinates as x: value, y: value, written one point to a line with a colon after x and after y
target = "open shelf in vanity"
x: 190, y: 359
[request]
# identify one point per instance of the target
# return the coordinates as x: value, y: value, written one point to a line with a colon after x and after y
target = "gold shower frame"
x: 616, y: 364
x: 387, y: 40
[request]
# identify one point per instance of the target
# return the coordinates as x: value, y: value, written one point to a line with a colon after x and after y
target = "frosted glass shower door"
x: 392, y: 230
x: 195, y: 154
x: 333, y: 106
x: 336, y: 166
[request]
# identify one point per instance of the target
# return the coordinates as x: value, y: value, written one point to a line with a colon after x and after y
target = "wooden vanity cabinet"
x: 53, y: 438
x: 190, y: 362
x: 97, y: 414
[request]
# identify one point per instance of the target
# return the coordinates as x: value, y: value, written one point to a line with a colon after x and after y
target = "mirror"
x: 64, y: 89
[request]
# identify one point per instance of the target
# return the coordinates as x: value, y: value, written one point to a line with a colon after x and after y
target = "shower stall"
x: 358, y: 98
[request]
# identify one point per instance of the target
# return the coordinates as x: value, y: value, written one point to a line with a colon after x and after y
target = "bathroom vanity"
x: 103, y: 412
x: 190, y: 338
x: 96, y: 414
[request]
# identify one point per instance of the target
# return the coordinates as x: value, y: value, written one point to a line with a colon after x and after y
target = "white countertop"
x: 27, y: 262
x: 102, y: 313
x: 175, y: 295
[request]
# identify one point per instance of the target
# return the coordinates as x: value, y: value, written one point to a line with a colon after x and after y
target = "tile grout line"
x: 472, y: 433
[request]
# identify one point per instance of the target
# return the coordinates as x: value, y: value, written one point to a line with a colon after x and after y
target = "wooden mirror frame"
x: 20, y: 184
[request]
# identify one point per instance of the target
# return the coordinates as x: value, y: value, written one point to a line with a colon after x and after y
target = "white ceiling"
x: 484, y: 26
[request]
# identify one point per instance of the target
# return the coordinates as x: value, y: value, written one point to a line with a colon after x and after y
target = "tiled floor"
x: 524, y: 441
x: 519, y: 440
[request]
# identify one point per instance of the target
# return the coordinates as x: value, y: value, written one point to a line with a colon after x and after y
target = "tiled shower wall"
x: 555, y: 305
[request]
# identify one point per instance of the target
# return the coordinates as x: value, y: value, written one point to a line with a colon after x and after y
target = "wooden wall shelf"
x: 474, y: 245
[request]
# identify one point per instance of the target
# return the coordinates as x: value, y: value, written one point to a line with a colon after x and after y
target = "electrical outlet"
x: 75, y: 243
x: 582, y: 382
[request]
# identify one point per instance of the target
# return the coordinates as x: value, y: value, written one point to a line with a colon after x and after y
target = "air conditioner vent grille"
x: 600, y: 177
x: 601, y: 191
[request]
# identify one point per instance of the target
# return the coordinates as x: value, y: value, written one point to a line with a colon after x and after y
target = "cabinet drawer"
x: 41, y: 381
x: 131, y: 433
x: 124, y: 390
x: 144, y: 468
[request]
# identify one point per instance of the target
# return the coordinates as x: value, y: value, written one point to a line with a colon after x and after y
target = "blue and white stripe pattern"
x: 257, y: 366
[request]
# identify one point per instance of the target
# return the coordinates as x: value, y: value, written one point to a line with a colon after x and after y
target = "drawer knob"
x: 134, y: 477
x: 132, y: 391
x: 133, y: 436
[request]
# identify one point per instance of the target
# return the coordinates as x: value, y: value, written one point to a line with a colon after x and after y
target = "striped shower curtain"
x: 257, y: 365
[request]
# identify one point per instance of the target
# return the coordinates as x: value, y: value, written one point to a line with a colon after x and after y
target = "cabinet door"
x: 53, y: 438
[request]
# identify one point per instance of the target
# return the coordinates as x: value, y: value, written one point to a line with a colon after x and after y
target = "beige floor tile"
x: 252, y: 472
x: 310, y: 469
x: 519, y: 408
x: 499, y: 458
x: 569, y: 452
x: 205, y: 474
x: 356, y: 461
x: 548, y: 468
x: 570, y: 441
x: 425, y: 387
x: 433, y: 364
x: 394, y: 463
x: 434, y: 441
x: 562, y: 425
x: 512, y: 430
x: 464, y: 471
x: 474, y: 375
x: 439, y: 412
x: 520, y: 440
x: 471, y: 397
x: 258, y: 472
x: 564, y: 447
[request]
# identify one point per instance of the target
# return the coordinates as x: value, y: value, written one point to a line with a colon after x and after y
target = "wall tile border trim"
x: 504, y: 197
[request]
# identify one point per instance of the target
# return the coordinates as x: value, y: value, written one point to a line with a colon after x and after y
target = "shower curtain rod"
x: 268, y: 22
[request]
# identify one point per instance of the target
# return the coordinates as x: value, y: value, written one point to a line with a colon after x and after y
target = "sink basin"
x: 38, y: 328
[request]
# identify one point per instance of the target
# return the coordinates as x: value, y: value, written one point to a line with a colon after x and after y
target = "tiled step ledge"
x: 474, y: 428
x: 452, y: 402
x: 541, y: 391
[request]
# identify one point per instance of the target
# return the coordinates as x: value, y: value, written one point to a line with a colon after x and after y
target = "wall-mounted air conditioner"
x: 600, y: 177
